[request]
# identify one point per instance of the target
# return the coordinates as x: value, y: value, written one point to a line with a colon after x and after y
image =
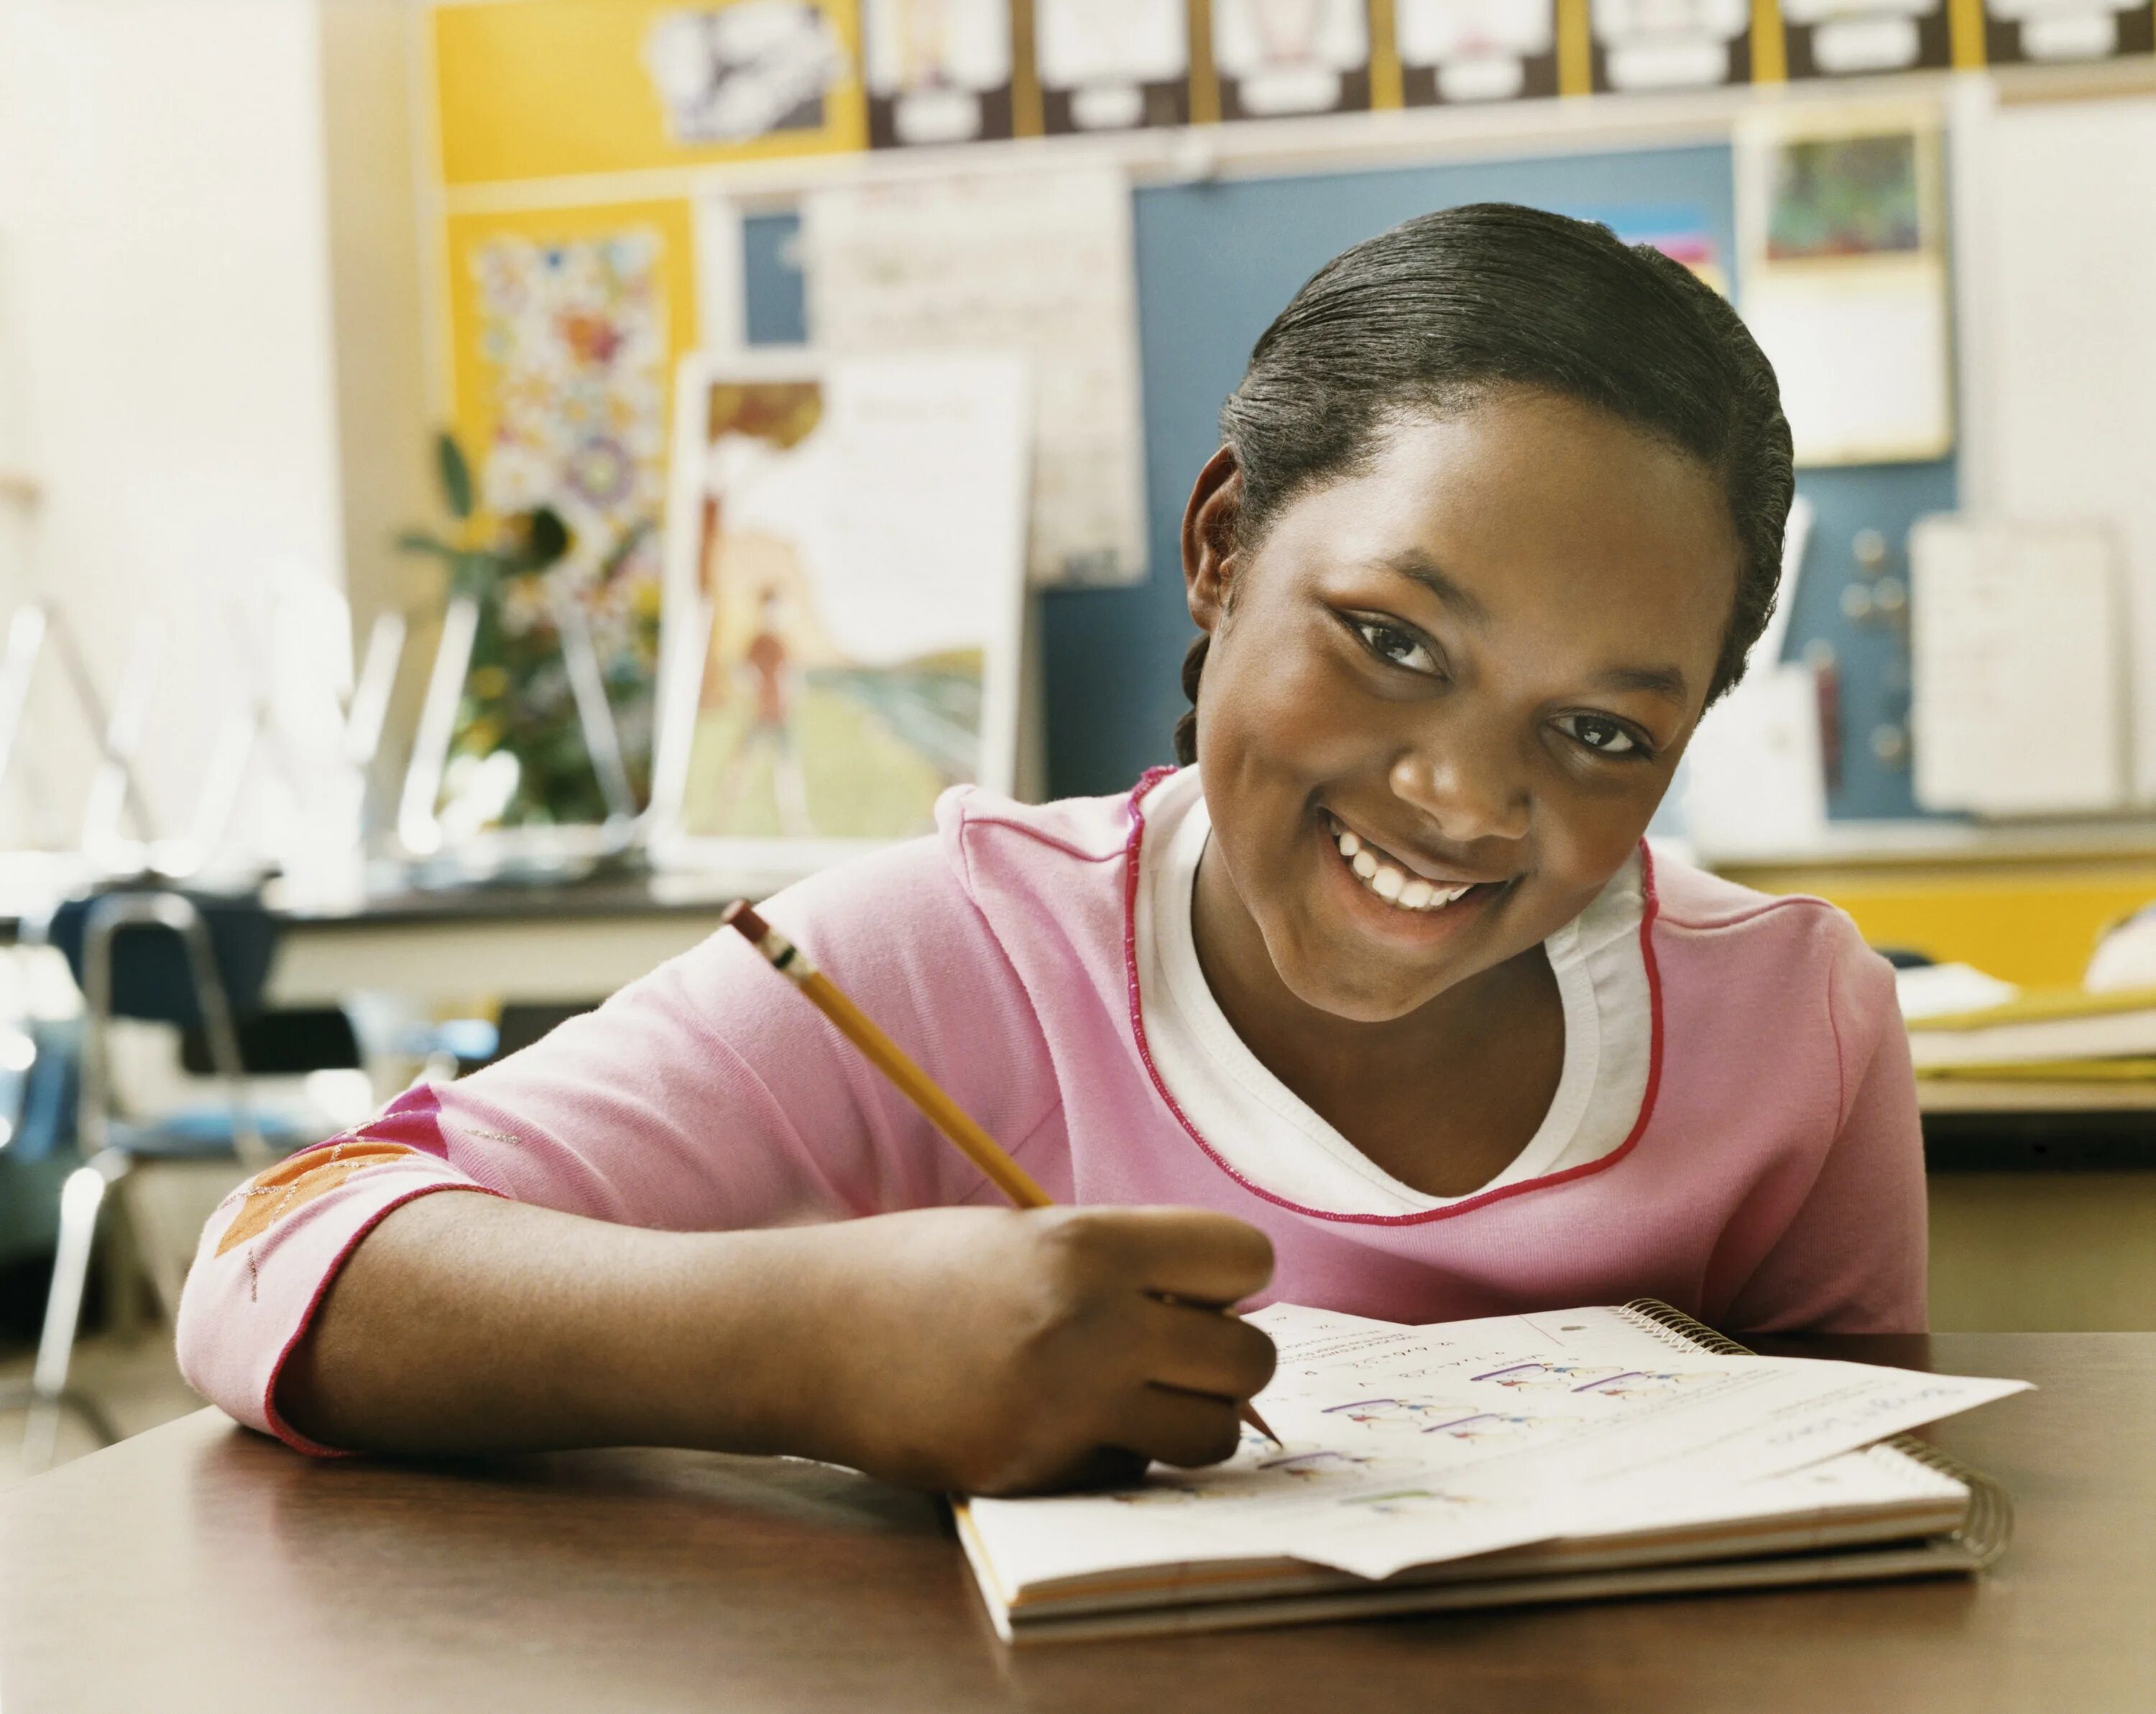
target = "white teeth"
x: 1390, y: 883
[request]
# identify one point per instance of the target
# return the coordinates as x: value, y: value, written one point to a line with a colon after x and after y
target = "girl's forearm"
x: 979, y: 1348
x: 466, y: 1323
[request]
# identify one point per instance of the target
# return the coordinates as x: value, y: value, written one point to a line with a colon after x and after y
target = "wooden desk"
x: 199, y: 1567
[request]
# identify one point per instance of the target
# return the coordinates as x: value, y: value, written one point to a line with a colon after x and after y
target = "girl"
x: 1381, y: 1005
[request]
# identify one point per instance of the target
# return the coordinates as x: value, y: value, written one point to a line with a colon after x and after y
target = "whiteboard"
x: 2058, y: 212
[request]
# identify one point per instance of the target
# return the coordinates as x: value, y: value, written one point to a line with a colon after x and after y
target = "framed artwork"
x: 1458, y: 51
x: 1832, y: 197
x: 845, y: 588
x: 937, y: 71
x: 1860, y: 37
x: 2017, y: 32
x: 1277, y: 58
x: 1669, y: 44
x: 1111, y: 64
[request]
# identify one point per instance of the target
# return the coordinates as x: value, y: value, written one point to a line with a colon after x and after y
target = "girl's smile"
x: 1410, y: 902
x: 1396, y: 880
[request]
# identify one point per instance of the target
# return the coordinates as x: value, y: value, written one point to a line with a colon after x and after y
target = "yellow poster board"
x: 550, y: 89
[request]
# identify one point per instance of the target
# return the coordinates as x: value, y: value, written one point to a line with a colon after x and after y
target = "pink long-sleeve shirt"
x: 1734, y: 1131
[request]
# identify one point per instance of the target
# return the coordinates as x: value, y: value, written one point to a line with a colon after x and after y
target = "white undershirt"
x: 1272, y: 1138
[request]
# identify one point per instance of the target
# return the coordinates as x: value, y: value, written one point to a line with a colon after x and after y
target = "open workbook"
x: 1553, y: 1457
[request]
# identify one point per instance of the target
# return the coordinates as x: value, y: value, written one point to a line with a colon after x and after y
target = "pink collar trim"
x: 1132, y: 848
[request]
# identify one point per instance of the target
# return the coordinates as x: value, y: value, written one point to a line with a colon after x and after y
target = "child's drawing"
x: 856, y: 623
x: 1260, y: 1468
x: 1598, y: 1380
x: 1642, y: 1383
x: 1547, y: 1377
x: 1433, y: 1416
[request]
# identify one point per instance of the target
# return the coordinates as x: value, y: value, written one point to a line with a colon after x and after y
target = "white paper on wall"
x: 2017, y: 678
x: 1038, y: 262
x: 1862, y: 362
x: 1756, y: 782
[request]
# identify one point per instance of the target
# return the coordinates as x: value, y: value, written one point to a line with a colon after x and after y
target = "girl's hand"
x: 998, y: 1352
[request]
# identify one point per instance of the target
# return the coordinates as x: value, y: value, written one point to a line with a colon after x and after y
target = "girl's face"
x: 1473, y: 664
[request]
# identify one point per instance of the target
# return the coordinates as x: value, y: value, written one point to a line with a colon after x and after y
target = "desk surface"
x: 198, y: 1568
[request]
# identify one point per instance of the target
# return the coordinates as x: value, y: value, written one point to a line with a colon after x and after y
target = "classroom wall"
x: 208, y: 206
x: 370, y: 84
x: 166, y: 207
x: 515, y: 146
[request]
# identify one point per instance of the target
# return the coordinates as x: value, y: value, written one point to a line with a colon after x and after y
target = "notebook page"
x: 1413, y: 1446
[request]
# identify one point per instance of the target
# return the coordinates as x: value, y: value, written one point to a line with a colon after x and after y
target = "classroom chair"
x: 165, y: 957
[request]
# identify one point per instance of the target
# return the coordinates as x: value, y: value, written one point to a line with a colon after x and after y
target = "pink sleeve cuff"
x: 269, y: 1254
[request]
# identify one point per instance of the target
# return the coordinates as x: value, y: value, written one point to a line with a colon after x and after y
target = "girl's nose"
x: 1469, y: 794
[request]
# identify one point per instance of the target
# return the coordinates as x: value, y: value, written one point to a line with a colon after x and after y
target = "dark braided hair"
x: 1447, y: 310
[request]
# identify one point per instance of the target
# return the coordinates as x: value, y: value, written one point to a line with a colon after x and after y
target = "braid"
x: 1186, y: 729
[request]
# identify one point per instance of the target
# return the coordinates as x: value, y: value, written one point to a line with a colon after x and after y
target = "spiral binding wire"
x: 1989, y: 1525
x: 1691, y: 1335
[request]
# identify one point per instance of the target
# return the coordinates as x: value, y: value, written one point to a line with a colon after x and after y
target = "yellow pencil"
x: 915, y: 1084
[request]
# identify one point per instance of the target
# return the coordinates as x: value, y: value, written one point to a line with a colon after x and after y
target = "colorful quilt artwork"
x: 572, y: 336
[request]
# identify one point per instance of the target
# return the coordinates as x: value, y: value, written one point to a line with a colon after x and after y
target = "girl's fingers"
x: 1103, y: 1467
x: 1181, y: 1428
x: 1203, y: 1351
x: 1188, y: 1253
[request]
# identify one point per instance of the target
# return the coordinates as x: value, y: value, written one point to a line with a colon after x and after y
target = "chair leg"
x: 80, y: 1198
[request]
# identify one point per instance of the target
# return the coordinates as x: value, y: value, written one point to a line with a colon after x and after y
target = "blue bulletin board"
x: 1217, y: 260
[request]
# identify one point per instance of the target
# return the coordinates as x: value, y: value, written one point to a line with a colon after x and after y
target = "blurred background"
x: 484, y: 483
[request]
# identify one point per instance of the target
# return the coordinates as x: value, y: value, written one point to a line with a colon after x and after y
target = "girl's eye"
x: 1601, y: 734
x: 1397, y: 644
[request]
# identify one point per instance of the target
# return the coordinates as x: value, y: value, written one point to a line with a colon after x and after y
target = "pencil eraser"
x: 741, y: 915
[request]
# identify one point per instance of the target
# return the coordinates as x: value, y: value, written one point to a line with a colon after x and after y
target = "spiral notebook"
x: 1569, y: 1456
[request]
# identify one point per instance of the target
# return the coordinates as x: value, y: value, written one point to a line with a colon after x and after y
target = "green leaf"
x: 455, y: 475
x: 546, y: 538
x: 421, y: 542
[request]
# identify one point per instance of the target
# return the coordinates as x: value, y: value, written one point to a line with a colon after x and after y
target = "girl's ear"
x: 1208, y: 537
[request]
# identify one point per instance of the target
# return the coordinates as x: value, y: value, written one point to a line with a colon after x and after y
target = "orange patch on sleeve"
x: 294, y: 1183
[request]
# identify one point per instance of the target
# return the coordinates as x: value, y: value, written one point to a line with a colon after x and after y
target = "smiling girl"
x: 1381, y: 1005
